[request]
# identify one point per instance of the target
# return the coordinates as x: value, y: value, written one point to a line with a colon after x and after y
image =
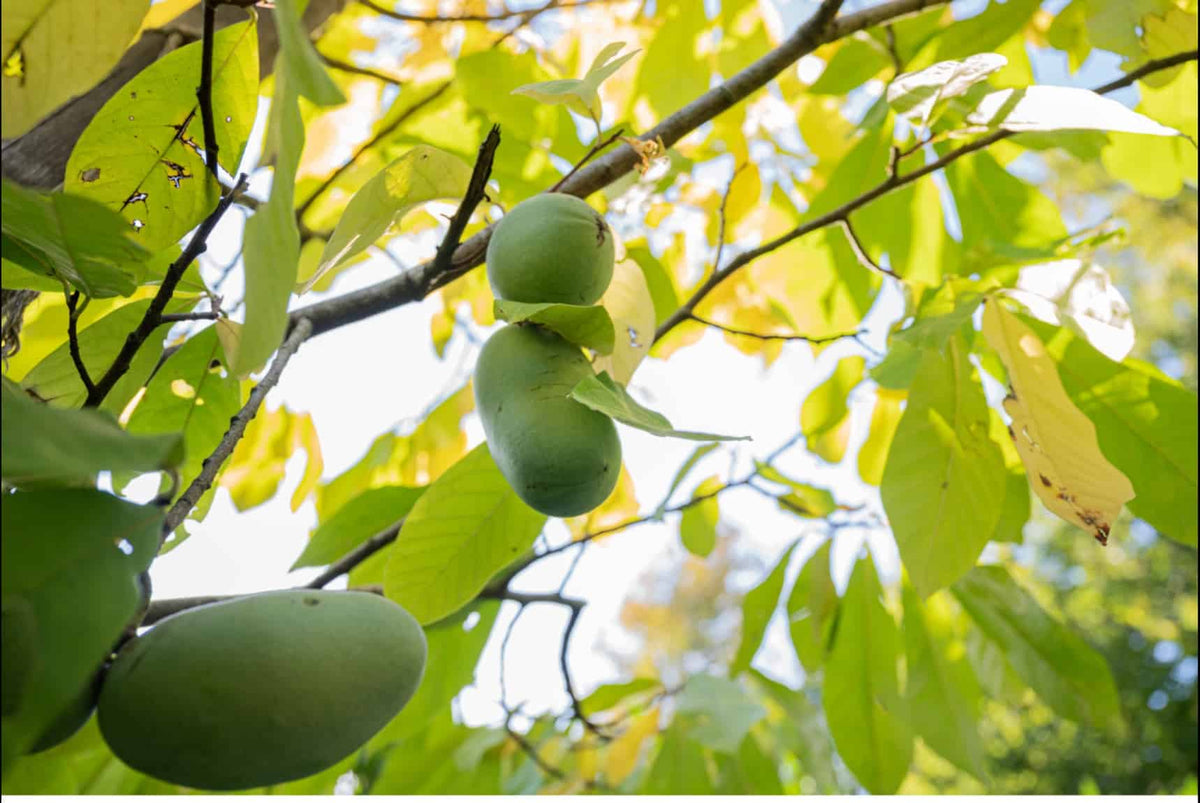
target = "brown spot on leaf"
x: 1045, y: 480
x: 176, y: 172
x: 89, y: 175
x: 136, y: 197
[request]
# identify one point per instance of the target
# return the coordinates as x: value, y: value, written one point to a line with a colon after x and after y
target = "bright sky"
x: 382, y: 373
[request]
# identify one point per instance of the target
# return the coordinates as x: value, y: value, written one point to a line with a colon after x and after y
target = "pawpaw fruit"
x: 561, y: 457
x: 260, y: 690
x: 72, y: 717
x: 551, y: 248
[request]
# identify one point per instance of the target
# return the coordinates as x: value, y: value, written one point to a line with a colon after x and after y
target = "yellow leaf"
x: 873, y: 455
x: 621, y: 505
x: 623, y: 751
x: 304, y: 436
x: 1056, y: 441
x: 631, y: 308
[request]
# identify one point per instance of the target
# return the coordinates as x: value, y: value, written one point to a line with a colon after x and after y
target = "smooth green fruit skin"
x: 560, y: 457
x: 260, y: 690
x: 551, y: 248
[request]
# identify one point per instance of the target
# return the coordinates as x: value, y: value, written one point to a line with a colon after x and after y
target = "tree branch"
x: 153, y: 317
x: 500, y: 16
x: 587, y: 157
x: 73, y: 313
x: 818, y: 30
x: 181, y: 317
x: 476, y: 192
x: 204, y: 91
x: 237, y: 427
x: 762, y: 336
x: 356, y: 556
x: 860, y: 252
x: 354, y: 69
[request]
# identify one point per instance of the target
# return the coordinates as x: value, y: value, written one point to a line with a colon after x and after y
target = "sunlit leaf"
x: 824, y: 416
x: 467, y: 526
x: 589, y: 327
x: 872, y: 457
x: 916, y: 95
x: 1056, y: 441
x: 366, y: 515
x: 300, y: 59
x: 1061, y: 108
x: 758, y: 607
x: 631, y: 308
x: 602, y: 394
x: 698, y: 524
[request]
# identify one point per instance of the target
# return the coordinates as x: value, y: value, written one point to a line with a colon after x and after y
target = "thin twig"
x: 153, y: 317
x: 73, y: 313
x: 763, y: 336
x: 237, y: 427
x: 587, y: 157
x: 356, y: 556
x: 434, y: 19
x: 889, y: 33
x: 180, y: 317
x: 204, y: 91
x: 354, y: 69
x: 531, y: 751
x: 860, y: 252
x: 721, y: 216
x: 565, y: 667
x: 476, y: 192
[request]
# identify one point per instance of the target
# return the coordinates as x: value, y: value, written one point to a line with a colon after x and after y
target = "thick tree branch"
x: 153, y: 317
x: 414, y: 284
x: 237, y: 427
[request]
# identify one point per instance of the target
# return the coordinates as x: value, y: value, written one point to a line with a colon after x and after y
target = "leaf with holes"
x: 467, y: 526
x: 1056, y: 441
x: 141, y: 154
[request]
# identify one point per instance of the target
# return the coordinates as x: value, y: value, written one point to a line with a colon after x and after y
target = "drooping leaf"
x: 468, y: 525
x: 943, y: 694
x: 720, y: 711
x: 604, y: 395
x: 916, y: 95
x: 824, y: 417
x: 141, y: 154
x: 631, y: 308
x: 812, y: 608
x: 1145, y: 425
x: 75, y: 591
x: 1056, y: 441
x: 301, y: 61
x: 37, y: 78
x: 1061, y: 108
x: 44, y: 445
x: 698, y: 524
x: 422, y: 174
x: 1070, y: 676
x: 72, y: 238
x: 589, y: 327
x: 943, y: 484
x: 758, y: 607
x: 366, y: 515
x: 866, y: 713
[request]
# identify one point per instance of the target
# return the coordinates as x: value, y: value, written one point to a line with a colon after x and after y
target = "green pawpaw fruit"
x: 551, y: 248
x: 560, y: 457
x: 260, y: 690
x: 72, y: 717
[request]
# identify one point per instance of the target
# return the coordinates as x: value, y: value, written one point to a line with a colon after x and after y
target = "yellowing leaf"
x: 631, y: 308
x: 824, y: 417
x: 624, y: 750
x: 1056, y: 441
x: 423, y: 174
x: 873, y: 455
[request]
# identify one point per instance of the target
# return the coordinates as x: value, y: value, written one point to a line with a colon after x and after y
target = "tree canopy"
x: 954, y: 241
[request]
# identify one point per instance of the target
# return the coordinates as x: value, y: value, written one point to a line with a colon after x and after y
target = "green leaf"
x: 824, y: 417
x: 44, y: 445
x: 467, y: 526
x: 454, y: 647
x: 189, y: 395
x: 856, y: 61
x: 1145, y: 424
x: 37, y: 77
x: 757, y: 609
x: 751, y: 772
x: 721, y: 711
x: 695, y: 457
x: 590, y: 327
x: 580, y: 95
x: 422, y: 174
x: 75, y: 590
x: 802, y: 730
x: 368, y: 514
x: 943, y: 694
x: 679, y: 767
x: 611, y: 695
x: 872, y: 457
x: 812, y: 609
x: 140, y: 154
x: 56, y: 378
x: 301, y: 62
x: 73, y: 238
x: 14, y: 276
x: 604, y: 395
x: 943, y: 485
x: 1014, y: 513
x: 918, y: 96
x: 698, y: 525
x: 271, y: 250
x: 866, y: 713
x: 1070, y: 676
x: 671, y: 75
